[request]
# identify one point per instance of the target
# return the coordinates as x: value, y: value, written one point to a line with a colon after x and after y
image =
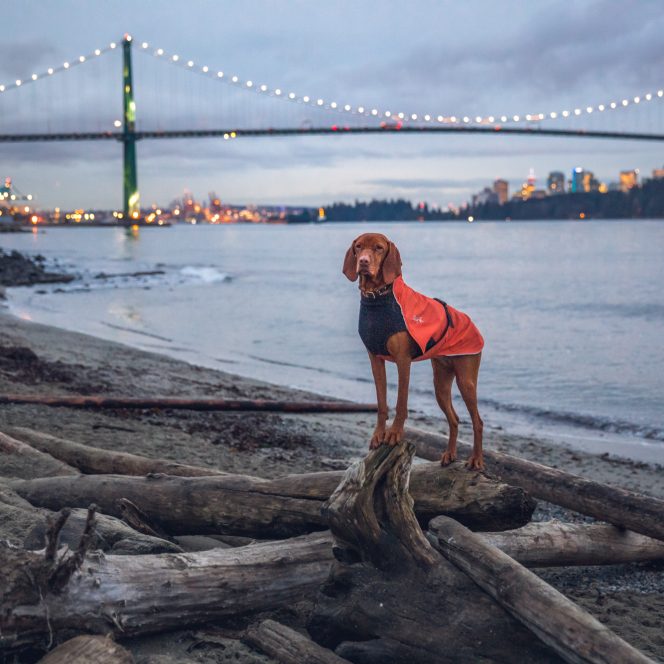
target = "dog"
x: 400, y: 325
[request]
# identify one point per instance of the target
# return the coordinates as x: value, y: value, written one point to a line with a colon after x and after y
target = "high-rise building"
x: 528, y: 187
x: 576, y: 183
x: 501, y: 189
x: 483, y: 197
x: 555, y: 183
x: 590, y: 183
x: 629, y: 179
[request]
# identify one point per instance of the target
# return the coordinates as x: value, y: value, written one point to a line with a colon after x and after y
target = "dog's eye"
x: 379, y: 248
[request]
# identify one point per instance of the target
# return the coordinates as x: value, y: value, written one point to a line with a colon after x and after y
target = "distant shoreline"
x: 27, y: 229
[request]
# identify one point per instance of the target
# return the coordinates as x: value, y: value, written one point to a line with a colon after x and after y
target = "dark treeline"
x: 389, y: 210
x: 645, y: 201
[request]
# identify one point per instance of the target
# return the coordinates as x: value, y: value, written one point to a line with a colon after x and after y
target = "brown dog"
x: 400, y: 325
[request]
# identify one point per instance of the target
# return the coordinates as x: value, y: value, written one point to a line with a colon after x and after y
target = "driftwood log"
x: 191, y: 404
x: 111, y: 535
x: 556, y: 544
x: 45, y: 596
x: 88, y: 650
x: 390, y: 596
x: 642, y: 514
x: 92, y: 460
x: 13, y: 456
x: 568, y: 629
x: 284, y: 507
x: 288, y: 646
x: 25, y: 525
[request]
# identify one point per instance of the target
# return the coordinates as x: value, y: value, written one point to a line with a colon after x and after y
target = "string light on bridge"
x: 65, y: 66
x: 334, y: 106
x: 413, y: 117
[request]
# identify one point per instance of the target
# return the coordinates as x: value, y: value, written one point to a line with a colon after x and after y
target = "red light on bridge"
x: 334, y: 128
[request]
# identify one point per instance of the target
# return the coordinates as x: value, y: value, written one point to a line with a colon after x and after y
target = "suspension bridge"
x: 321, y: 116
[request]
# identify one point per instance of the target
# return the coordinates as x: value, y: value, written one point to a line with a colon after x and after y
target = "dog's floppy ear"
x: 391, y: 264
x: 350, y: 264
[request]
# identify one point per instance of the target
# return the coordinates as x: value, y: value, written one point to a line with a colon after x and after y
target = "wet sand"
x: 40, y: 359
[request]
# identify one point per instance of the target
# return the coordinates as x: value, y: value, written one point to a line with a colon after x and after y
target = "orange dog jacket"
x: 437, y: 328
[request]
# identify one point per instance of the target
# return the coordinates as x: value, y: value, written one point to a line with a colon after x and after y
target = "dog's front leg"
x: 380, y: 379
x: 395, y: 432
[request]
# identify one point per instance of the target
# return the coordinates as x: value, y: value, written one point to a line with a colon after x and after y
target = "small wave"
x: 134, y: 331
x: 207, y: 275
x: 580, y: 420
x: 566, y: 418
x: 146, y: 277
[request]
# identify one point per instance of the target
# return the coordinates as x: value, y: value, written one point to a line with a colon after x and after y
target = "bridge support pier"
x: 132, y: 208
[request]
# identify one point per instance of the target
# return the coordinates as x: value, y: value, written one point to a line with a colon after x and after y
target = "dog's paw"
x: 475, y: 462
x: 447, y: 457
x: 394, y: 436
x: 378, y: 438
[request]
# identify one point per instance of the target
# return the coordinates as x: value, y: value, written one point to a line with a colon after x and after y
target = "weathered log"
x: 191, y: 404
x: 133, y: 595
x: 23, y: 461
x: 241, y: 505
x: 88, y: 650
x: 556, y: 544
x: 25, y: 525
x: 391, y: 597
x: 92, y: 460
x: 288, y: 646
x: 112, y: 535
x: 17, y: 515
x: 642, y: 514
x: 574, y: 634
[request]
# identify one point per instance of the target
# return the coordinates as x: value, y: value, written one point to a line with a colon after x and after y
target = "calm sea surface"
x: 572, y: 312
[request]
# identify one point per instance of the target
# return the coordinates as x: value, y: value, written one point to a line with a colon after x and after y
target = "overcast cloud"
x: 454, y: 58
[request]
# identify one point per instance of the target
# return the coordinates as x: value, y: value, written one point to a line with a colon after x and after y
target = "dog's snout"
x: 364, y: 259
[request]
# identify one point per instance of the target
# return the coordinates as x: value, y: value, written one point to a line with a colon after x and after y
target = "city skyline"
x: 500, y: 190
x: 542, y: 57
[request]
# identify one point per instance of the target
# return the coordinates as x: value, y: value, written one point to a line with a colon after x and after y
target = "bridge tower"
x: 131, y: 196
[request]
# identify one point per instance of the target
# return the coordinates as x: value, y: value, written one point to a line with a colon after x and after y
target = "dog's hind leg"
x: 443, y: 377
x: 467, y: 368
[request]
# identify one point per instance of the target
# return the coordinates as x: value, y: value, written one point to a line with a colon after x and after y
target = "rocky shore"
x: 38, y: 359
x: 16, y: 269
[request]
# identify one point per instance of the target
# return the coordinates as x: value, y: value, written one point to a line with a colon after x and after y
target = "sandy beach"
x: 38, y: 359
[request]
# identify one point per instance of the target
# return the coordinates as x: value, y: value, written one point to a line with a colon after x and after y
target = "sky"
x: 475, y: 57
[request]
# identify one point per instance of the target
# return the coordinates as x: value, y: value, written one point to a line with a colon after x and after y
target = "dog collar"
x: 378, y: 292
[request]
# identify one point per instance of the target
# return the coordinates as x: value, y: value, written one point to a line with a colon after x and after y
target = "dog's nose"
x: 364, y: 260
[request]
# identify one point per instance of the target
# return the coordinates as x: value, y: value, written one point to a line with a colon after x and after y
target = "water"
x: 572, y: 312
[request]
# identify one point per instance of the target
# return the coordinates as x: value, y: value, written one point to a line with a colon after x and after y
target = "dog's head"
x: 373, y: 256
